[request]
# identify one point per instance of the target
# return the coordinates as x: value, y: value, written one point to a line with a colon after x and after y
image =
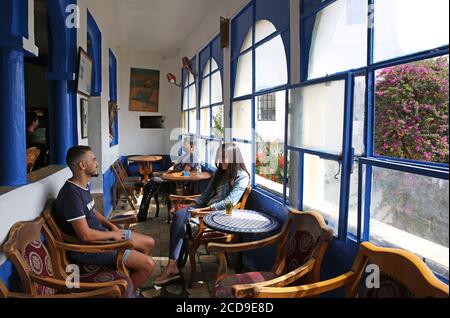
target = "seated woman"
x: 228, y: 185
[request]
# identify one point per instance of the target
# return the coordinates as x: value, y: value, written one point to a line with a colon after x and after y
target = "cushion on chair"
x: 389, y: 288
x: 222, y: 289
x: 39, y: 261
x: 299, y: 250
x: 103, y: 274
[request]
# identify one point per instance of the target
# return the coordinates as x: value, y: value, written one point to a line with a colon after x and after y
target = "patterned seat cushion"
x: 299, y: 251
x: 103, y: 274
x: 38, y: 259
x: 222, y: 289
x: 389, y: 288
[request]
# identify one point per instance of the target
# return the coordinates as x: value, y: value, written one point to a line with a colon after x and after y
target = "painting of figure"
x: 144, y: 90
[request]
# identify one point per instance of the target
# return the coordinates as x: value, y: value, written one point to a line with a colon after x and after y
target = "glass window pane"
x: 359, y: 115
x: 242, y: 120
x: 244, y: 75
x: 214, y: 65
x: 201, y: 150
x: 270, y: 142
x: 192, y: 96
x: 247, y: 41
x: 213, y: 146
x: 321, y: 188
x: 410, y: 212
x: 408, y: 26
x: 263, y: 28
x: 185, y: 98
x: 193, y: 121
x: 205, y: 122
x: 293, y: 159
x: 204, y: 99
x: 216, y: 88
x: 218, y: 121
x: 185, y: 122
x: 246, y: 151
x: 191, y: 79
x: 207, y: 69
x: 411, y: 111
x: 339, y: 41
x: 316, y: 117
x: 353, y: 200
x: 271, y: 65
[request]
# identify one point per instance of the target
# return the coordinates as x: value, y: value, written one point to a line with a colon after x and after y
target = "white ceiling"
x: 160, y: 25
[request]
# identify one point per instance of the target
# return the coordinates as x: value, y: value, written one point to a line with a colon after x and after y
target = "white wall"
x: 27, y: 202
x: 105, y: 15
x: 132, y: 139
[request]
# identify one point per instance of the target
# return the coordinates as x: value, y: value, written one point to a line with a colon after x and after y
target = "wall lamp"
x: 172, y: 79
x: 187, y: 65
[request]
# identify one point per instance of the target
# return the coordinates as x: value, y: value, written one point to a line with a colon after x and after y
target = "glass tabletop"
x: 241, y: 222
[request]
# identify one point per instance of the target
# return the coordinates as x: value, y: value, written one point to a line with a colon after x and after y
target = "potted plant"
x: 229, y: 208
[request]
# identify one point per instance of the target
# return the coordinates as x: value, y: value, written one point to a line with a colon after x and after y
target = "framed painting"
x: 84, y: 117
x: 144, y: 90
x: 84, y: 74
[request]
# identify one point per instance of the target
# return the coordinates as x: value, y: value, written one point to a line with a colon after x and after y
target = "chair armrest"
x: 96, y: 248
x: 201, y: 212
x: 240, y: 247
x: 304, y: 290
x: 61, y: 284
x: 106, y: 292
x: 126, y: 219
x: 174, y: 197
x: 245, y: 290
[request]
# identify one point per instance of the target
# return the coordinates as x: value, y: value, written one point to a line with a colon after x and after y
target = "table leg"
x: 239, y: 256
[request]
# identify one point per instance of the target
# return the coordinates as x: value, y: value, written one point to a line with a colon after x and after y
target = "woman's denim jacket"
x: 228, y: 195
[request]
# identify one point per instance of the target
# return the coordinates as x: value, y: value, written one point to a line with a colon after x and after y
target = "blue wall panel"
x: 240, y: 26
x: 95, y: 37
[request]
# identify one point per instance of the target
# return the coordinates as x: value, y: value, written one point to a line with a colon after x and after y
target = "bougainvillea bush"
x: 411, y: 112
x: 412, y: 122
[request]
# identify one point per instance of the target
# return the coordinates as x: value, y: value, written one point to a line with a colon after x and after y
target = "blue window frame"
x: 113, y: 95
x: 189, y: 100
x: 260, y: 32
x: 211, y: 108
x: 358, y: 155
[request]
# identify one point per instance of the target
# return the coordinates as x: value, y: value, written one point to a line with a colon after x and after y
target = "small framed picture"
x: 84, y: 74
x: 84, y: 117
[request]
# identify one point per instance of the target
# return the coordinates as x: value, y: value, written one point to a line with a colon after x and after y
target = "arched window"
x: 260, y: 73
x: 189, y: 113
x: 211, y: 106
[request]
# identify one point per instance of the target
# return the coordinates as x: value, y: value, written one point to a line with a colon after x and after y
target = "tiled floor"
x: 207, y: 265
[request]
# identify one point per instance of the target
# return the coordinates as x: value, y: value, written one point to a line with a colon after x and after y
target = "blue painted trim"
x: 347, y: 160
x: 360, y: 193
x: 61, y: 116
x: 321, y: 154
x: 301, y: 172
x: 12, y: 114
x: 425, y: 164
x: 95, y: 51
x: 9, y: 276
x: 109, y: 179
x: 113, y: 94
x: 269, y: 194
x: 367, y: 203
x: 286, y: 133
x: 422, y: 171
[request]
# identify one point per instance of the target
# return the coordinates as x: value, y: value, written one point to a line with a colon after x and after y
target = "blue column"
x: 62, y: 119
x: 13, y: 171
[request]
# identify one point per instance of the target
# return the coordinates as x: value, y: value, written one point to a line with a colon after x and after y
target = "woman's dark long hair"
x: 235, y: 161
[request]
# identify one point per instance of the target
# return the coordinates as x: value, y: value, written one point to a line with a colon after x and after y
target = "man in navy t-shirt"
x: 75, y: 214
